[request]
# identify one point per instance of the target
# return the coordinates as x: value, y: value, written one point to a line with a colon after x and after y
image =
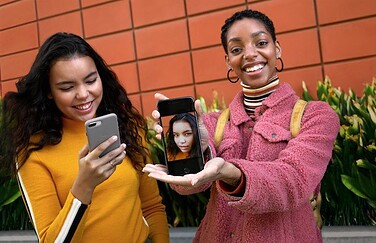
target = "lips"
x: 253, y: 68
x: 83, y: 106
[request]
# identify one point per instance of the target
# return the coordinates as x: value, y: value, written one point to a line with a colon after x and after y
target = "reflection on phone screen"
x: 181, y: 136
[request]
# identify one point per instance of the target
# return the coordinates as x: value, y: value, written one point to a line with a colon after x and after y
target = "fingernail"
x: 194, y: 181
x: 114, y: 138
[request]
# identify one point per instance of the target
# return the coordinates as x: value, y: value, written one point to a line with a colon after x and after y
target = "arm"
x: 48, y: 214
x: 153, y: 209
x: 57, y: 208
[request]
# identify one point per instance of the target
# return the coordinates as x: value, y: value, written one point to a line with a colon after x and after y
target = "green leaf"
x: 203, y: 104
x: 372, y: 203
x: 353, y: 185
x: 364, y: 163
x: 372, y: 113
x: 11, y: 199
x: 306, y: 95
x: 9, y: 192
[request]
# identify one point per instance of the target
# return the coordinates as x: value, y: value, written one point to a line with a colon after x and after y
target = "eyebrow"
x: 253, y: 35
x: 189, y: 130
x: 71, y: 81
x: 90, y: 74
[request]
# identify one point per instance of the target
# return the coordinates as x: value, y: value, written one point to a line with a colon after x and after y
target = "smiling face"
x: 252, y: 53
x: 76, y: 87
x: 183, y: 135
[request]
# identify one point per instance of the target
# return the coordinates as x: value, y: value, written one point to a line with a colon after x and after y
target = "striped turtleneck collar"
x: 253, y: 98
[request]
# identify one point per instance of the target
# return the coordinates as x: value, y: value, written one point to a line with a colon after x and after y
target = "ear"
x: 227, y: 60
x: 278, y: 49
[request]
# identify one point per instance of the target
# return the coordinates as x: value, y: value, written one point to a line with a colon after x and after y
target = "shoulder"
x: 320, y: 108
x: 320, y: 118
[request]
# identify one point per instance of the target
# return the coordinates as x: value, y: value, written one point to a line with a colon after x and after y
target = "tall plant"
x: 349, y: 184
x: 13, y: 215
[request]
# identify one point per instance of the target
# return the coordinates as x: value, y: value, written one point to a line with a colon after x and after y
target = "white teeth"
x: 254, y: 68
x: 83, y: 107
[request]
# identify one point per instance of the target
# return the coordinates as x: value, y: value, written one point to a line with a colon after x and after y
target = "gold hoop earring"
x: 228, y: 76
x: 282, y: 66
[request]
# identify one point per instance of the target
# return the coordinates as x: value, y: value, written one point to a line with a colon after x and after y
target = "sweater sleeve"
x: 53, y: 222
x: 153, y: 209
x: 286, y: 182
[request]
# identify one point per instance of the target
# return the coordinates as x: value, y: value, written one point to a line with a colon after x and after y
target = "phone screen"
x: 181, y: 138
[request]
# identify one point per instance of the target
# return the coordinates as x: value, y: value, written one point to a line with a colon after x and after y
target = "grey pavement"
x: 331, y: 234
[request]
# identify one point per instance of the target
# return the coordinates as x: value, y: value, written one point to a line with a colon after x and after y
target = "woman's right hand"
x: 215, y: 169
x: 94, y: 170
x: 203, y: 131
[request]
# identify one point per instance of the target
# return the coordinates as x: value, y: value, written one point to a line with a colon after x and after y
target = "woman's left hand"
x: 215, y: 169
x: 203, y: 131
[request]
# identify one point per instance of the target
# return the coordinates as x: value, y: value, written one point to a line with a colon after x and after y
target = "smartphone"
x: 99, y: 129
x: 181, y: 137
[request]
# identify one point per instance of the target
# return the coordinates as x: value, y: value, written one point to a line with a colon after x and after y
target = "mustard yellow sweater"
x: 125, y: 208
x: 178, y: 156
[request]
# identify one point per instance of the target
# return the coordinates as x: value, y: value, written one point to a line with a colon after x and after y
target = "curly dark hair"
x: 172, y: 148
x: 250, y: 14
x: 29, y: 111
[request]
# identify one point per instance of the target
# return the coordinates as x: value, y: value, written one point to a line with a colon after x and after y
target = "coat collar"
x: 238, y: 114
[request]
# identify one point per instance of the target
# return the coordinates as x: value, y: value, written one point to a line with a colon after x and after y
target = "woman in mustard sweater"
x: 72, y: 194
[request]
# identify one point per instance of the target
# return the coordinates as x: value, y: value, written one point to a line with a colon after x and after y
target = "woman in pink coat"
x: 260, y: 176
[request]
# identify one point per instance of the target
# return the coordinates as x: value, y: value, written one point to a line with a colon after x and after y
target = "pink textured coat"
x: 280, y: 172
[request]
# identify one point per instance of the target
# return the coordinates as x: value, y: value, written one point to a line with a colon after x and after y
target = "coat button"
x: 232, y: 235
x: 274, y: 135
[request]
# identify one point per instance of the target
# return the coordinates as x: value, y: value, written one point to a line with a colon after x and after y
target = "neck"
x: 253, y: 98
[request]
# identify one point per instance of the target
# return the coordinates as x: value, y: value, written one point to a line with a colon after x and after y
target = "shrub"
x: 12, y: 211
x: 349, y: 184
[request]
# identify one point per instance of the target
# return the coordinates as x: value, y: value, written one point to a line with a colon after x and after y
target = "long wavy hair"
x: 30, y: 113
x: 172, y: 147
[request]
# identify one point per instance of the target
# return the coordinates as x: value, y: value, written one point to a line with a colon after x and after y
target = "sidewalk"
x: 331, y: 234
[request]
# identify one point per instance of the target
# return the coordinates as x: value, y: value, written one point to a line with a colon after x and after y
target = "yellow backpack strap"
x: 220, y: 127
x: 296, y: 117
x: 295, y: 123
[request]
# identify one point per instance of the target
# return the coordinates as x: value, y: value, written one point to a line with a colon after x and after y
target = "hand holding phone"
x: 99, y: 129
x: 180, y: 136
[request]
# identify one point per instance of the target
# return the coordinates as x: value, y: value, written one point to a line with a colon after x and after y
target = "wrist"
x: 230, y: 174
x: 82, y: 193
